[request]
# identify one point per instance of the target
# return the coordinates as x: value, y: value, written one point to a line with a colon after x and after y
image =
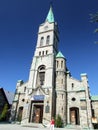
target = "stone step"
x: 41, y: 126
x: 74, y: 127
x: 34, y: 125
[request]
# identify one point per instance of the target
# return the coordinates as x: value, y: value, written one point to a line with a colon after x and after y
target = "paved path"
x: 20, y: 127
x: 7, y: 126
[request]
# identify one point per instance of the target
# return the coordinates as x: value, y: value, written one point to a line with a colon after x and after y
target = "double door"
x: 37, y: 114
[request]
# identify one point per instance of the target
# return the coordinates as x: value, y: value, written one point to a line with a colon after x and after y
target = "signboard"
x: 38, y: 97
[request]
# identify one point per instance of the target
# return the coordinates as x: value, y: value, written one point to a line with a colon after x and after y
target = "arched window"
x: 41, y: 41
x: 41, y: 75
x: 48, y: 40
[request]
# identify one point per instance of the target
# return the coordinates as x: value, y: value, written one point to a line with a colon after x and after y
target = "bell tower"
x: 41, y: 81
x: 45, y: 52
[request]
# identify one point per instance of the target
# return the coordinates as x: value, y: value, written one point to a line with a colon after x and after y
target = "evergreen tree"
x: 58, y: 121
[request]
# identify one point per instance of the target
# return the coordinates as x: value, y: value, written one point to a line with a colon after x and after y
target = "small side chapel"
x: 50, y: 89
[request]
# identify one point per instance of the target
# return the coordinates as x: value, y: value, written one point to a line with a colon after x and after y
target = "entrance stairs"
x: 73, y: 127
x: 33, y: 125
x: 41, y: 126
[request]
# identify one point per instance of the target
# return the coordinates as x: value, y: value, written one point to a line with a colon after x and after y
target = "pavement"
x: 5, y: 126
x: 9, y: 126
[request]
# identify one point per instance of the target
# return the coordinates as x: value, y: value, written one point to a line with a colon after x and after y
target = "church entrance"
x: 74, y: 116
x: 20, y: 111
x: 36, y: 112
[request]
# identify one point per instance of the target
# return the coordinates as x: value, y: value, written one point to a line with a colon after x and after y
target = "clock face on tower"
x: 46, y: 27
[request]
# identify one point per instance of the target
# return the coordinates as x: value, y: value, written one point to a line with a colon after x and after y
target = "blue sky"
x: 19, y: 22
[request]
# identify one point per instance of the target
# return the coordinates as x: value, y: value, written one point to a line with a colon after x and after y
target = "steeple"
x: 50, y: 16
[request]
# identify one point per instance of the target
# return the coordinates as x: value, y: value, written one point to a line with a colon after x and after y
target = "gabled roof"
x: 9, y: 96
x: 59, y: 55
x: 50, y: 16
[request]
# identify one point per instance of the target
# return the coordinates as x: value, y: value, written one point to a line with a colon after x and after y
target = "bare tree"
x: 94, y: 19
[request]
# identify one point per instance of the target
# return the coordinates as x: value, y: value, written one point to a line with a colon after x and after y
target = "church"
x: 50, y: 89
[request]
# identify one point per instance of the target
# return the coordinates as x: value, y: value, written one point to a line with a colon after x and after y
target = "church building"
x: 50, y: 89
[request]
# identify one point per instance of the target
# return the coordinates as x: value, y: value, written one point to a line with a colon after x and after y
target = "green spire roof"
x: 50, y: 16
x: 59, y: 55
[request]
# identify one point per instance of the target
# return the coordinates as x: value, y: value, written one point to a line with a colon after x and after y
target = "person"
x: 52, y: 123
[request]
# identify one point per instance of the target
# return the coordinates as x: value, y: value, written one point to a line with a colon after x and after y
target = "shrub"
x: 58, y: 121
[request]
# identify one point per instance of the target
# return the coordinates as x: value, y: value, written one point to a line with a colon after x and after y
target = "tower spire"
x: 50, y: 16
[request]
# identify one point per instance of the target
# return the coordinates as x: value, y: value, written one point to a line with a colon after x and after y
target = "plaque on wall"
x: 47, y: 109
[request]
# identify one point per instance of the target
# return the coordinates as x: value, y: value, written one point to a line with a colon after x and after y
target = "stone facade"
x: 50, y: 89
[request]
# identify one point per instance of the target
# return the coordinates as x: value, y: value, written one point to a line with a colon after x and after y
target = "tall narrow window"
x: 24, y: 89
x: 57, y: 64
x: 62, y: 96
x: 41, y: 41
x: 61, y: 64
x: 46, y: 52
x: 43, y: 53
x: 48, y: 39
x: 62, y: 109
x: 40, y: 53
x: 61, y: 81
x: 93, y: 113
x: 41, y: 75
x: 72, y: 85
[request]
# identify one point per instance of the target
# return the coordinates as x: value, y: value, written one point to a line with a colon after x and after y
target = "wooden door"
x: 73, y: 117
x: 37, y: 115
